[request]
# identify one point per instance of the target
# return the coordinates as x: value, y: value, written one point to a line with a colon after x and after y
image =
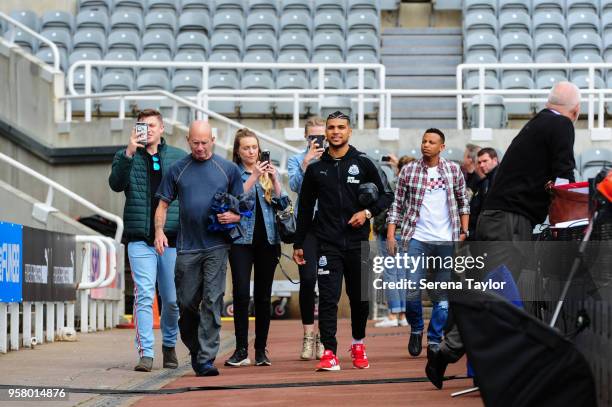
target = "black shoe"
x: 239, y: 358
x: 170, y: 359
x: 206, y: 369
x: 145, y: 364
x: 261, y: 358
x: 436, y: 365
x: 415, y: 345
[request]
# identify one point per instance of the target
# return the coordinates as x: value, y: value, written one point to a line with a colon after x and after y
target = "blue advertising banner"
x: 11, y: 271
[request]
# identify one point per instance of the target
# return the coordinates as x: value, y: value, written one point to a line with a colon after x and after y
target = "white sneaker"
x: 386, y: 323
x: 403, y: 322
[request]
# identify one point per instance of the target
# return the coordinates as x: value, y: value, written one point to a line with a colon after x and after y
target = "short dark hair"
x: 149, y: 113
x: 338, y: 115
x: 488, y: 150
x: 438, y: 132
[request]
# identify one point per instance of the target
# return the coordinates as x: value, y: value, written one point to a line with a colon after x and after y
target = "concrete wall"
x: 39, y: 6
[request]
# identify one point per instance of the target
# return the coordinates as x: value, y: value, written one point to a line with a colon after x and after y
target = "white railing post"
x: 100, y: 319
x: 93, y: 314
x: 388, y: 106
x: 3, y: 328
x: 459, y: 98
x: 601, y: 110
x: 27, y: 324
x: 70, y: 315
x: 296, y: 110
x: 591, y: 113
x: 321, y: 84
x: 14, y: 311
x: 84, y: 297
x: 205, y: 85
x: 88, y: 92
x: 481, y: 86
x: 122, y: 108
x: 360, y: 81
x: 109, y: 314
x: 381, y: 99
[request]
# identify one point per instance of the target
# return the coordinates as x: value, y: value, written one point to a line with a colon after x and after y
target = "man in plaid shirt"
x: 432, y: 207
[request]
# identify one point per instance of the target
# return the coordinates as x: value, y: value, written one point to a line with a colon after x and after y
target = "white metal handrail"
x: 55, y: 186
x: 49, y: 43
x: 85, y: 284
x: 88, y: 65
x: 112, y: 266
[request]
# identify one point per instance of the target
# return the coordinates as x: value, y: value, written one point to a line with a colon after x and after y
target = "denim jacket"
x: 248, y: 224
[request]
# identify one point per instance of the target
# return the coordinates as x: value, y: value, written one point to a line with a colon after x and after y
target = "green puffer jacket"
x: 130, y: 176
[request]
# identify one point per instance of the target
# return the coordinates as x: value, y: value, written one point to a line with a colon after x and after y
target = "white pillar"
x: 92, y: 315
x: 50, y: 321
x: 109, y: 313
x: 39, y: 312
x: 59, y: 320
x: 27, y: 324
x: 14, y: 311
x: 70, y: 315
x: 3, y: 328
x: 100, y: 315
x: 84, y: 311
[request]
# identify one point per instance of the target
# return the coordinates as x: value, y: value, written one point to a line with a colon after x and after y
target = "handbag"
x: 285, y: 219
x: 568, y: 205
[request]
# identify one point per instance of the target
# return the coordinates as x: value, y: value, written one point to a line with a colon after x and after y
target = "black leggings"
x: 242, y: 258
x: 308, y: 279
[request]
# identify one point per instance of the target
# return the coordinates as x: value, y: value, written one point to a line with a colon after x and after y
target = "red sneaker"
x: 360, y: 359
x: 328, y: 361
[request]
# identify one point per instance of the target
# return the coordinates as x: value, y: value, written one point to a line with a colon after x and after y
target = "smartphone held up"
x: 142, y: 129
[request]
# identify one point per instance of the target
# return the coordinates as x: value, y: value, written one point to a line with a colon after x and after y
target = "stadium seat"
x: 161, y: 20
x: 223, y: 79
x: 104, y: 5
x: 151, y: 81
x: 607, y: 47
x: 59, y: 37
x: 585, y: 42
x: 259, y: 57
x: 224, y: 56
x: 262, y: 20
x: 553, y: 59
x: 155, y: 56
x: 158, y: 41
x: 122, y: 40
x: 228, y: 41
x: 332, y: 80
x: 605, y: 6
x: 261, y: 5
x: 192, y: 41
x: 483, y: 43
x: 135, y: 6
x: 305, y: 5
x: 229, y: 5
x: 592, y: 161
x: 121, y: 55
x: 295, y: 40
x: 582, y: 22
x: 293, y: 57
x: 27, y: 18
x: 339, y: 5
x: 369, y: 82
x: 195, y: 5
x: 328, y: 40
x: 57, y: 19
x: 363, y: 20
x: 261, y: 40
x: 45, y: 55
x: 514, y: 20
x: 490, y: 5
x: 115, y: 82
x: 78, y: 105
x: 189, y: 56
x: 92, y: 20
x: 169, y: 5
x: 256, y: 81
x: 511, y: 57
x: 517, y: 80
x: 517, y: 42
x: 186, y: 85
x: 548, y: 5
x: 363, y: 42
x: 552, y: 42
x: 582, y: 5
x: 127, y: 20
x: 479, y: 21
x: 296, y: 20
x: 89, y: 39
x: 291, y: 80
x: 496, y: 116
x: 228, y: 20
x: 491, y: 81
x: 194, y: 21
x: 515, y: 5
x: 354, y: 5
x: 85, y: 55
x: 330, y: 20
x: 547, y: 21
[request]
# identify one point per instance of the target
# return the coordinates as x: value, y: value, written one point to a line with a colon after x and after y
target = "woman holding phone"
x: 259, y: 248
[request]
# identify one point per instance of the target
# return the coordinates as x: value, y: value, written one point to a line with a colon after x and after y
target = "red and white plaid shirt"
x: 411, y: 187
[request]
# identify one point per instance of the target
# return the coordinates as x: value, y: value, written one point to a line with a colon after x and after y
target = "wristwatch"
x: 368, y: 214
x: 464, y: 232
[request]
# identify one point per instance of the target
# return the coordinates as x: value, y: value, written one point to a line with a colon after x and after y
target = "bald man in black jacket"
x: 519, y: 199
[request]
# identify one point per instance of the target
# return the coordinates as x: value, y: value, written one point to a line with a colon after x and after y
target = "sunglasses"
x: 156, y: 164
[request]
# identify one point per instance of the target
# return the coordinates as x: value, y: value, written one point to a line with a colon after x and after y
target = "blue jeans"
x: 396, y: 299
x: 147, y: 267
x: 414, y: 307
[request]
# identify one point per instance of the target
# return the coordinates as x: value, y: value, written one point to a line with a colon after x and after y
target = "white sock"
x: 357, y: 341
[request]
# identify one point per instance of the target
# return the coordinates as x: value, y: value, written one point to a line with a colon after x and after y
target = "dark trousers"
x: 263, y: 258
x: 511, y: 230
x: 308, y: 279
x: 200, y: 285
x: 333, y: 264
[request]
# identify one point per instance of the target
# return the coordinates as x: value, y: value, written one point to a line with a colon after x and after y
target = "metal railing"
x: 54, y: 186
x: 49, y: 43
x: 238, y: 95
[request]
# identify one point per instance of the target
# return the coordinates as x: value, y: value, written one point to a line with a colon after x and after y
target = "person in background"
x: 258, y: 249
x: 201, y: 261
x: 471, y: 172
x: 432, y: 208
x: 396, y: 298
x: 296, y: 167
x: 137, y: 171
x: 487, y: 163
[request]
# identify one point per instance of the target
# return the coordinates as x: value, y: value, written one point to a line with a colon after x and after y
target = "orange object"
x: 155, y: 313
x: 605, y: 187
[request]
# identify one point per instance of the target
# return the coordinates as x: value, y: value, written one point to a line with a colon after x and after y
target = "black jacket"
x: 480, y: 194
x: 541, y: 152
x: 334, y: 183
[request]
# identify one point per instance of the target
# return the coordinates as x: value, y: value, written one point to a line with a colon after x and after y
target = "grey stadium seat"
x: 127, y: 20
x: 122, y: 40
x: 256, y: 81
x: 224, y: 56
x: 78, y: 105
x: 332, y: 80
x: 92, y: 20
x: 296, y: 20
x: 328, y: 20
x: 372, y: 5
x: 85, y: 55
x: 514, y: 20
x: 591, y: 5
x: 229, y: 41
x: 506, y: 5
x: 136, y: 6
x: 45, y: 55
x: 491, y: 82
x: 516, y: 42
x: 192, y: 41
x: 195, y: 5
x: 229, y: 20
x: 554, y: 59
x: 293, y: 57
x: 264, y: 40
x: 496, y: 116
x: 593, y: 160
x: 259, y: 57
x: 548, y: 5
x: 291, y: 80
x: 121, y: 55
x: 606, y: 22
x: 605, y: 5
x: 115, y: 82
x: 189, y: 56
x: 296, y: 5
x: 607, y: 47
x: 483, y: 42
x: 546, y: 21
x: 585, y: 40
x: 186, y: 85
x: 197, y: 21
x: 151, y: 81
x: 57, y: 19
x: 363, y: 42
x: 89, y: 39
x: 582, y: 81
x: 223, y: 79
x: 158, y: 40
x: 369, y: 82
x: 155, y: 56
x: 582, y: 21
x: 363, y: 19
x: 262, y: 20
x: 169, y: 5
x: 339, y: 5
x: 229, y: 5
x: 258, y: 5
x: 552, y: 42
x: 59, y: 37
x: 332, y: 40
x: 480, y: 21
x: 104, y: 5
x: 480, y: 5
x: 295, y: 40
x: 161, y: 20
x: 27, y: 18
x: 517, y: 80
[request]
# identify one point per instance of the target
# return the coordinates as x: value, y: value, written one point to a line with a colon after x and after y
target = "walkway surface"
x: 105, y: 361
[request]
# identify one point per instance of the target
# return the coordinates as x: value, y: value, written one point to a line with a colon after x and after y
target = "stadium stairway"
x: 422, y: 58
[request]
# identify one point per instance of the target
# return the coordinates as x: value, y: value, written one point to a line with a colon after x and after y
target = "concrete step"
x: 423, y: 103
x: 423, y: 123
x: 432, y: 60
x: 422, y: 31
x: 398, y: 113
x: 415, y: 49
x: 421, y: 70
x: 421, y: 82
x: 423, y: 40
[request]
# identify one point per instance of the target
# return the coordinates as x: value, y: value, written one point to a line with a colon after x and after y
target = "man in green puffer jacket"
x: 137, y: 171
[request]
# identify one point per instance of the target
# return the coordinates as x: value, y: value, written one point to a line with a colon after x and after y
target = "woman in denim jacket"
x: 258, y: 248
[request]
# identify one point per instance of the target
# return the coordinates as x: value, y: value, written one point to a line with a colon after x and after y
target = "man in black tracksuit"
x: 340, y: 226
